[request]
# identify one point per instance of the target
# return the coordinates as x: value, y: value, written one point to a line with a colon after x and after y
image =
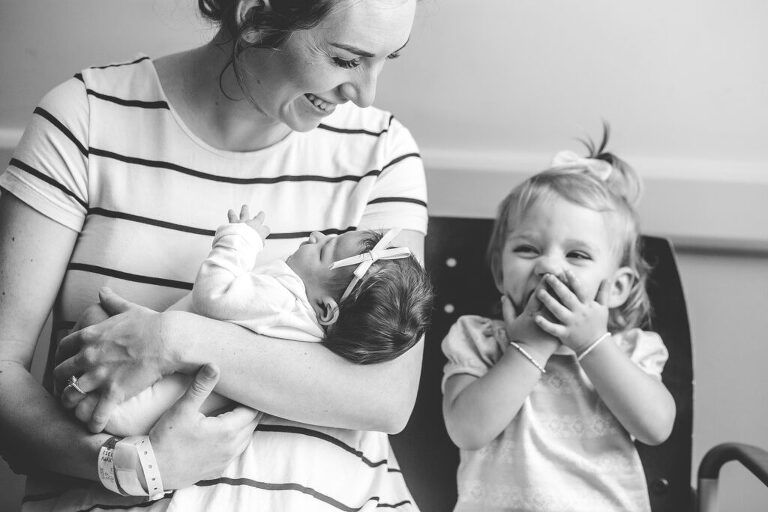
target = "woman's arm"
x: 299, y: 381
x: 36, y: 430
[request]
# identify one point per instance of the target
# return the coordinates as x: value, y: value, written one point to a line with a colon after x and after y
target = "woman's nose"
x: 361, y: 90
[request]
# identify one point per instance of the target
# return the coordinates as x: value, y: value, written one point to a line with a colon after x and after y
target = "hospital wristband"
x: 592, y: 346
x: 106, y: 466
x: 528, y: 356
x: 134, y: 454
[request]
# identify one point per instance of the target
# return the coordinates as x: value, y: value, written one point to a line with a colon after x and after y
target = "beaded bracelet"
x: 528, y: 356
x: 592, y: 346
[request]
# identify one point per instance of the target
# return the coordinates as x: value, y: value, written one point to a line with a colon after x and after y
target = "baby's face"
x: 313, y: 259
x: 556, y: 235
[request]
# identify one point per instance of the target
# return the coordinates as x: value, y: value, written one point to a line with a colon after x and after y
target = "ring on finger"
x: 72, y: 383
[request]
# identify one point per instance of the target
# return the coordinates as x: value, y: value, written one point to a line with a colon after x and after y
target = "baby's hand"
x: 581, y: 319
x: 256, y: 223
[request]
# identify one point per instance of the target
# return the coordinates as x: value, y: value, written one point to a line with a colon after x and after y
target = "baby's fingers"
x: 245, y: 213
x: 232, y: 217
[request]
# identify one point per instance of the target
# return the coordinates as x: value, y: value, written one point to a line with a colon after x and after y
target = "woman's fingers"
x: 112, y: 303
x: 108, y: 401
x: 202, y: 386
x: 85, y: 407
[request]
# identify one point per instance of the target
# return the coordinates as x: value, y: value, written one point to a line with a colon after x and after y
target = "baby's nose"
x: 316, y: 236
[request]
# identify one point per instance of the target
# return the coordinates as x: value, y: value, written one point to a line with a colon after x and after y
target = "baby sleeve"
x: 472, y: 346
x: 646, y: 350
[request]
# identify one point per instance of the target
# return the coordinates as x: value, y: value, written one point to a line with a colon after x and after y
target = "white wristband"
x: 134, y: 454
x: 592, y: 346
x: 106, y: 465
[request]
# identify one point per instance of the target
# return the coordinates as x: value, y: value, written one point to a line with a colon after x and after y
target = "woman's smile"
x: 321, y: 105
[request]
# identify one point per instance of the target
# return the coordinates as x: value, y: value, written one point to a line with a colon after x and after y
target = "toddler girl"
x: 545, y: 405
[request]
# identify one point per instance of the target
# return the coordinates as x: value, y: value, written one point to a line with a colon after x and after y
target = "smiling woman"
x: 122, y: 177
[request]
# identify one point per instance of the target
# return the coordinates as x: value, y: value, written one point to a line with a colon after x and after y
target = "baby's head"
x: 577, y: 216
x: 378, y: 316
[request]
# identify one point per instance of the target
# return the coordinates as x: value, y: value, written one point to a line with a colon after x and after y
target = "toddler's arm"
x: 478, y: 409
x: 640, y: 402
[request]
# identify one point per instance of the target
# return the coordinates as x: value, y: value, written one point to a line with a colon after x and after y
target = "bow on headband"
x: 365, y: 260
x: 599, y: 168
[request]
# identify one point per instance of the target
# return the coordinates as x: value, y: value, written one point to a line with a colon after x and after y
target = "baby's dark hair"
x: 386, y: 313
x: 576, y: 183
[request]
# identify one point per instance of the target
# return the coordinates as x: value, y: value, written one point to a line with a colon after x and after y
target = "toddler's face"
x: 313, y: 259
x: 555, y: 235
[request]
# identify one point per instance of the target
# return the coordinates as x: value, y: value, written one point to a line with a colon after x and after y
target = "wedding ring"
x: 72, y: 383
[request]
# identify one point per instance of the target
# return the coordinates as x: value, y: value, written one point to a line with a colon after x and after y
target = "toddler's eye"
x: 524, y: 249
x: 579, y: 255
x: 346, y: 64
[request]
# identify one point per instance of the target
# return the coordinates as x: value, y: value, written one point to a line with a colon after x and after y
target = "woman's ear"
x: 622, y: 282
x: 244, y: 14
x: 329, y: 311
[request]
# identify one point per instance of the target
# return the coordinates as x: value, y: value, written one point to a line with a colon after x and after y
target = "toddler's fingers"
x: 507, y: 309
x: 602, y: 293
x: 558, y: 310
x: 232, y: 216
x: 576, y: 286
x: 565, y: 295
x: 551, y: 328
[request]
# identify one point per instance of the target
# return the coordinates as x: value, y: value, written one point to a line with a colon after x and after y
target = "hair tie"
x: 600, y: 168
x: 366, y: 259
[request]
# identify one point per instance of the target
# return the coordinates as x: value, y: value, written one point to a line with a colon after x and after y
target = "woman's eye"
x: 346, y: 64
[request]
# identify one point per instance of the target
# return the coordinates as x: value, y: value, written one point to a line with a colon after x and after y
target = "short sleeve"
x: 645, y: 349
x: 399, y: 198
x: 472, y: 346
x: 48, y: 170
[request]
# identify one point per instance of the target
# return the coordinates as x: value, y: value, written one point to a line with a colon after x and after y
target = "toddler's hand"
x: 256, y: 223
x: 522, y: 328
x: 581, y: 319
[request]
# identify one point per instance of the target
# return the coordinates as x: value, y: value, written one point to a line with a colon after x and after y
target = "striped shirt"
x: 106, y: 155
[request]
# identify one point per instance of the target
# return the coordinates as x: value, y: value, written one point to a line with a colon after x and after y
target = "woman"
x: 120, y: 179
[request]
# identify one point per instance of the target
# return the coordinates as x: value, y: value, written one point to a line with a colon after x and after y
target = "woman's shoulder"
x: 127, y: 82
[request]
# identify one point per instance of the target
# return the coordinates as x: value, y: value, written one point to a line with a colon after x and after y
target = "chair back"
x: 455, y: 259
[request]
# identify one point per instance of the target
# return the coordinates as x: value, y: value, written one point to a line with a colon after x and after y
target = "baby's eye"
x: 346, y: 64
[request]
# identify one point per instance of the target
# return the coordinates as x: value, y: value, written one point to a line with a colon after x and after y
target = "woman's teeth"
x: 322, y: 105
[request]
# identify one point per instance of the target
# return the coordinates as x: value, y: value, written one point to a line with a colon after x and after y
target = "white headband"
x: 599, y: 168
x: 365, y: 260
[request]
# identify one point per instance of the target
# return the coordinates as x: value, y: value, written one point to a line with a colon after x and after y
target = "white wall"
x: 491, y: 89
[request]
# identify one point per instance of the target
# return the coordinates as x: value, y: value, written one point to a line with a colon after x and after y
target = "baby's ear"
x: 623, y: 279
x: 329, y: 311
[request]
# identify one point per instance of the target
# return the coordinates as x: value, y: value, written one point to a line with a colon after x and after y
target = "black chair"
x: 455, y: 259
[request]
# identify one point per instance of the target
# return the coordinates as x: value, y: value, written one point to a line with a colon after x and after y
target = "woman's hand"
x: 579, y: 319
x: 190, y: 446
x: 114, y: 359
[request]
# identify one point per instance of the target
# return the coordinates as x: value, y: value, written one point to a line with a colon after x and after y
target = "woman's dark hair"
x: 273, y: 25
x: 387, y: 312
